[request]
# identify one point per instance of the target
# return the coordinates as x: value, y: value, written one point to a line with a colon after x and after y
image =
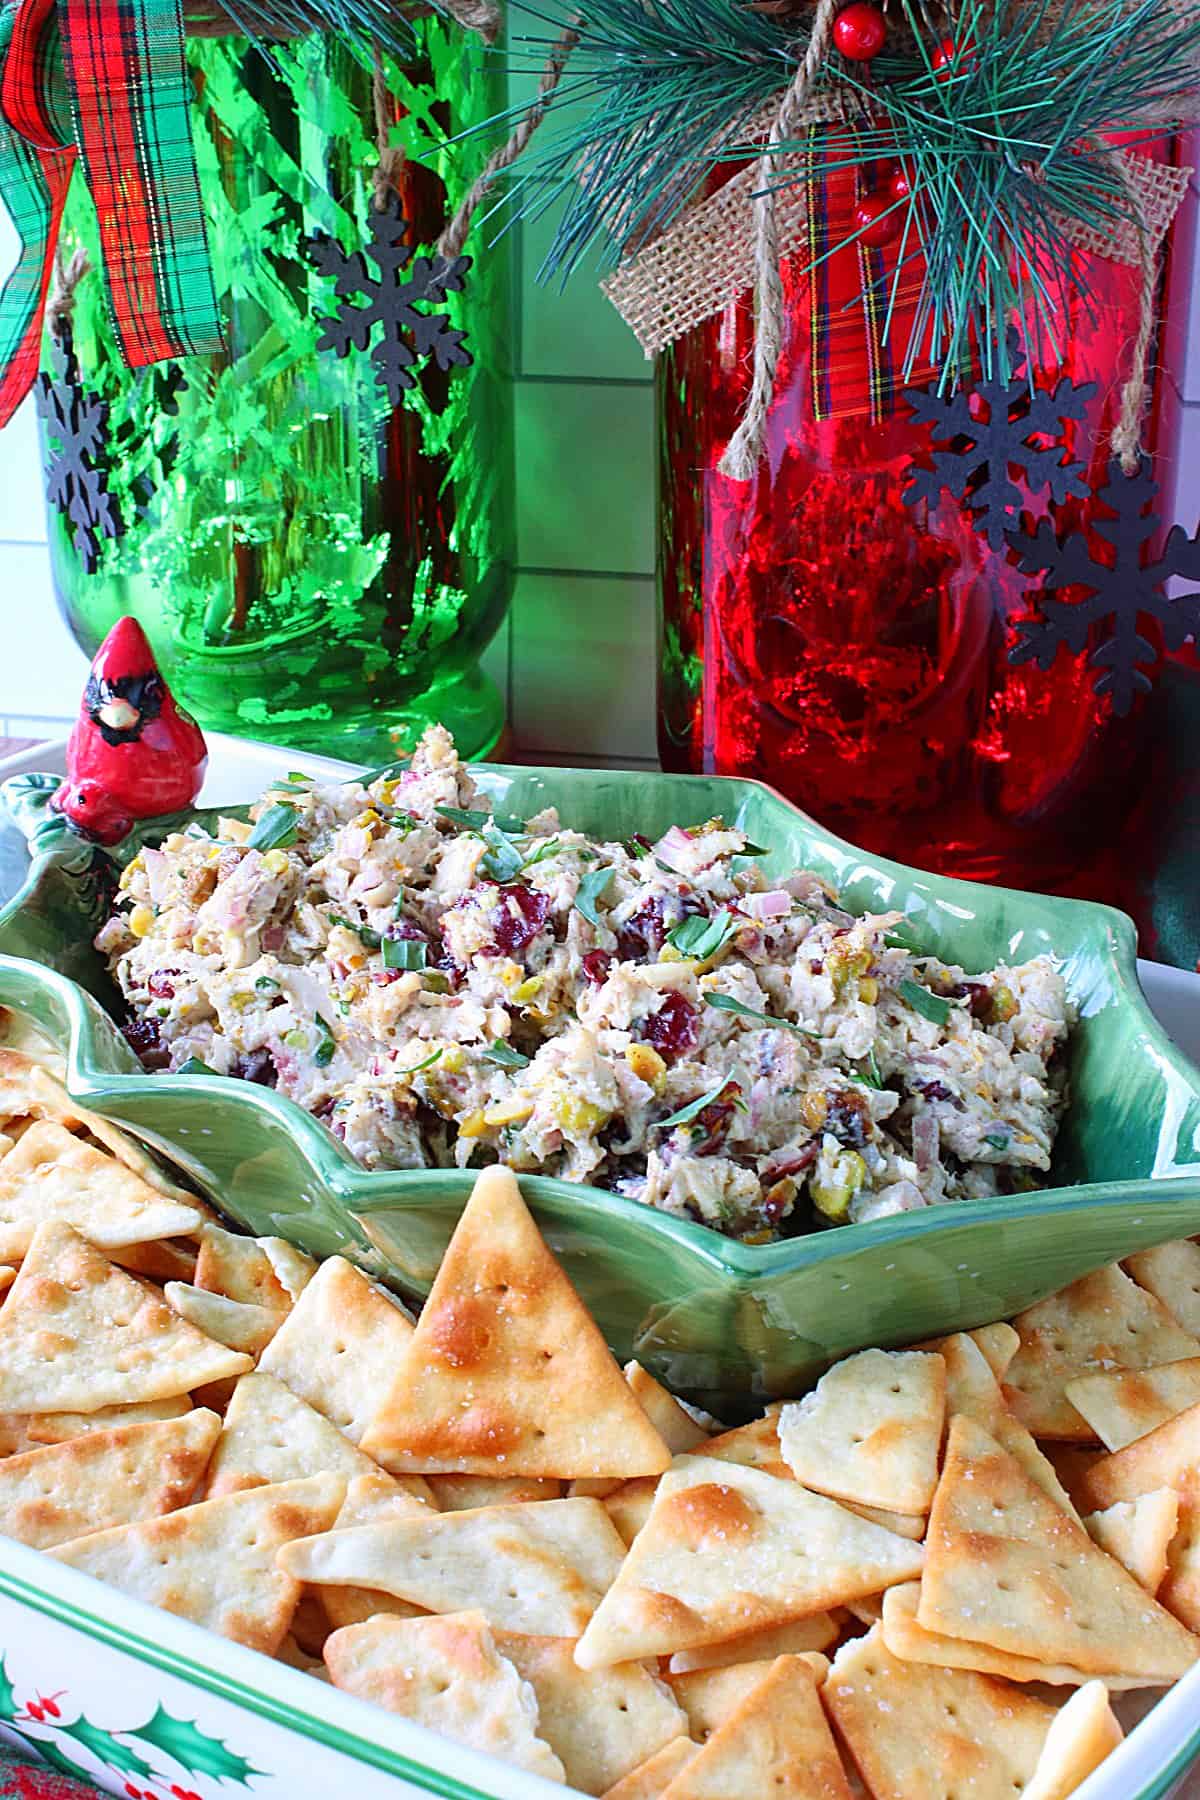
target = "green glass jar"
x: 311, y: 563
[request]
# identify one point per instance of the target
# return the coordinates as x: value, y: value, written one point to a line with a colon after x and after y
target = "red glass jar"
x: 853, y: 651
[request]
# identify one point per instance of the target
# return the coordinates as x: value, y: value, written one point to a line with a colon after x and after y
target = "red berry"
x: 34, y: 1711
x: 51, y: 1706
x: 899, y: 185
x: 859, y: 31
x: 877, y: 220
x: 948, y: 60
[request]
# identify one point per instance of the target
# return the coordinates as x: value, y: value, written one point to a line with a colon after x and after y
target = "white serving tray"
x: 224, y: 1720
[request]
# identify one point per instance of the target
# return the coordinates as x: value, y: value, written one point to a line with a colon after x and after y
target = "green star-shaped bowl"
x: 722, y: 1321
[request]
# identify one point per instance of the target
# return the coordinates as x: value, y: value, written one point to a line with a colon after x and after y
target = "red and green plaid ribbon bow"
x: 116, y: 67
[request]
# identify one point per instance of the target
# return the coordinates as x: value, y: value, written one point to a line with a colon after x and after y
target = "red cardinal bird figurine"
x: 133, y: 753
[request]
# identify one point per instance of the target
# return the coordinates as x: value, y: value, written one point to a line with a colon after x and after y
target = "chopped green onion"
x: 436, y: 982
x: 726, y: 1003
x: 591, y: 889
x: 370, y: 938
x: 403, y: 953
x: 275, y: 829
x: 505, y: 1057
x: 898, y: 938
x: 194, y: 1066
x: 930, y: 1006
x: 266, y: 984
x: 686, y: 1114
x: 998, y: 1140
x: 635, y: 848
x: 326, y: 1043
x: 702, y: 937
x: 470, y: 820
x: 869, y: 1074
x: 548, y: 847
x: 300, y: 776
x: 749, y: 849
x: 427, y: 1064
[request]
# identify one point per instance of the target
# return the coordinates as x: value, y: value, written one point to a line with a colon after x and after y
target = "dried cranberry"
x: 445, y: 961
x: 978, y: 996
x: 674, y: 1027
x: 258, y: 1067
x: 791, y: 1165
x: 645, y: 932
x: 712, y: 1125
x: 937, y: 1090
x: 519, y: 917
x: 145, y: 1039
x: 406, y: 929
x: 596, y: 965
x: 161, y: 987
x: 846, y: 1118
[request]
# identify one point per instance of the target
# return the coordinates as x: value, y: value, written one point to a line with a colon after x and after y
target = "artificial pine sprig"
x: 1003, y: 145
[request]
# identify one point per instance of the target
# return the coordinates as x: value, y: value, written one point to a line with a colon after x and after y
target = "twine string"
x: 388, y: 170
x: 1126, y: 440
x: 455, y: 235
x: 67, y: 276
x: 745, y: 447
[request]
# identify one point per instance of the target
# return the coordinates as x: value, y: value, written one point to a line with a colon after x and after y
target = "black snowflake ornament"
x: 76, y: 427
x: 390, y: 298
x: 1122, y: 589
x: 980, y: 448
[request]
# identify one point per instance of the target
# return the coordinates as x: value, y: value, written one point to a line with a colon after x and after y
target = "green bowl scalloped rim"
x: 725, y: 1322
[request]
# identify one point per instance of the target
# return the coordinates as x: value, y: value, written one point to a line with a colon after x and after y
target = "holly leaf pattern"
x: 194, y: 1749
x: 57, y: 1758
x: 108, y: 1748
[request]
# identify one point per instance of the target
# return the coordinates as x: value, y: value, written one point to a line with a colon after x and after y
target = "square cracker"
x: 535, y: 1569
x: 272, y: 1435
x: 215, y: 1563
x: 776, y: 1743
x: 52, y: 1175
x: 77, y: 1333
x: 727, y: 1549
x: 1082, y: 1735
x: 600, y: 1725
x: 1122, y: 1405
x: 340, y: 1346
x: 1138, y: 1533
x: 1100, y: 1322
x: 649, y: 1781
x: 1171, y: 1272
x: 1007, y: 1567
x: 446, y: 1674
x: 871, y: 1430
x: 507, y: 1373
x: 104, y: 1478
x: 912, y: 1729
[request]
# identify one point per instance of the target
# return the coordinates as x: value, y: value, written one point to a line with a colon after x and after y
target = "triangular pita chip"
x: 507, y: 1374
x: 28, y: 1092
x: 535, y: 1569
x: 1122, y: 1405
x: 1100, y: 1322
x: 777, y: 1743
x: 973, y: 1390
x: 465, y: 1493
x: 910, y: 1525
x: 728, y: 1549
x: 293, y: 1269
x: 215, y: 1563
x: 1082, y: 1735
x: 369, y: 1499
x: 1180, y: 1590
x: 229, y: 1322
x: 630, y: 1505
x: 291, y: 1653
x: 77, y: 1333
x: 1171, y: 1272
x: 104, y: 1478
x: 915, y: 1730
x: 7, y: 1277
x: 52, y: 1175
x: 57, y: 1427
x: 908, y: 1639
x: 710, y: 1696
x: 676, y: 1427
x: 447, y: 1675
x: 600, y: 1725
x: 340, y: 1346
x: 1138, y: 1533
x: 239, y: 1268
x: 816, y: 1632
x: 870, y: 1430
x: 1168, y: 1456
x: 272, y: 1435
x: 649, y: 1781
x: 166, y: 1259
x: 1007, y: 1567
x: 998, y: 1343
x: 755, y: 1446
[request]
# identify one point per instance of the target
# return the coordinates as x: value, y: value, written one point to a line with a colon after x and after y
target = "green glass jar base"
x: 467, y: 703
